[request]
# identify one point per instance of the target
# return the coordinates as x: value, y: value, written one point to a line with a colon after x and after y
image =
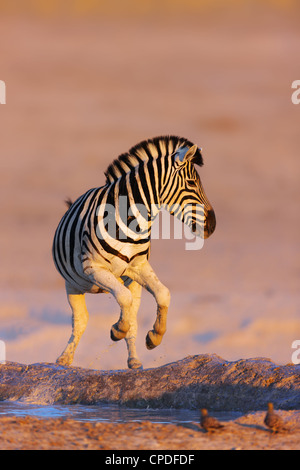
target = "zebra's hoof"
x: 118, y: 331
x: 153, y: 340
x: 134, y: 363
x: 64, y: 361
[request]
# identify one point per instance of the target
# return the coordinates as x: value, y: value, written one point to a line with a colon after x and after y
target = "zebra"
x: 156, y: 173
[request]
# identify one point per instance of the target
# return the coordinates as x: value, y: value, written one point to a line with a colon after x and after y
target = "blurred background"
x: 86, y: 80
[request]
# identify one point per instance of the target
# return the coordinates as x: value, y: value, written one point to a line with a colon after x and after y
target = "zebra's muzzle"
x: 210, y: 223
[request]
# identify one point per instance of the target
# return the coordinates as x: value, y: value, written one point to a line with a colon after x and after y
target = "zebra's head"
x: 183, y: 194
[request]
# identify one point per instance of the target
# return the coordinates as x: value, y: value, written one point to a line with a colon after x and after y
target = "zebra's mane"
x: 148, y: 150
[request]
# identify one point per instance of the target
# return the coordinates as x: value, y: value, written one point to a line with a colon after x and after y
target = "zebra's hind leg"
x: 133, y: 360
x: 80, y: 317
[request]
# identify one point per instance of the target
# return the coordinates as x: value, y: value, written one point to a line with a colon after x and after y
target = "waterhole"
x: 107, y: 413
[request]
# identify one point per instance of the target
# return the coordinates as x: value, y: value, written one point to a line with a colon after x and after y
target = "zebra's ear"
x: 185, y: 154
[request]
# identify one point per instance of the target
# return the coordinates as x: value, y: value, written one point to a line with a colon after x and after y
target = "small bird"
x: 209, y: 423
x: 273, y: 421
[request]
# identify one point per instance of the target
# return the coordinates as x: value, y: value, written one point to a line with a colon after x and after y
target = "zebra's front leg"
x: 107, y: 281
x: 80, y: 317
x: 155, y: 336
x: 133, y: 360
x: 148, y: 279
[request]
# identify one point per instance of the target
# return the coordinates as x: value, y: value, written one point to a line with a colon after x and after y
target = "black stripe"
x: 140, y: 254
x: 152, y: 182
x: 144, y: 184
x: 66, y: 222
x: 147, y: 150
x: 112, y: 251
x: 173, y: 191
x: 88, y: 211
x: 72, y: 231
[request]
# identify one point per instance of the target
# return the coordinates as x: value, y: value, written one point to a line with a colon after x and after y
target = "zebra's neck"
x: 139, y: 190
x: 132, y: 202
x: 144, y: 176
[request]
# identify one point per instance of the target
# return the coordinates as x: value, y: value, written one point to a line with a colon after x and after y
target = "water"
x: 106, y: 413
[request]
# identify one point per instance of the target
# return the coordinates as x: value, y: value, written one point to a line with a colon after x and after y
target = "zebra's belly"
x: 123, y: 271
x: 94, y: 289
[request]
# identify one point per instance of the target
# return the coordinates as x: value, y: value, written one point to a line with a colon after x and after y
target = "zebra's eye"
x: 192, y: 183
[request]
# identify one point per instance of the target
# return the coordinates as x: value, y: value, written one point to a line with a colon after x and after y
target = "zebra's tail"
x: 69, y: 202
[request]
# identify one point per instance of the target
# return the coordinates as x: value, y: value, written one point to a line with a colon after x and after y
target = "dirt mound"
x: 196, y: 381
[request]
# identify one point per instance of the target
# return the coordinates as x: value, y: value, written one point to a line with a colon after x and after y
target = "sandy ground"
x: 82, y: 90
x: 245, y: 433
